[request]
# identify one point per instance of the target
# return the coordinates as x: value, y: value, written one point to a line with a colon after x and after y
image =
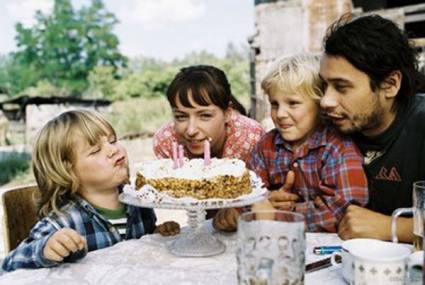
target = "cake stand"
x: 195, y: 242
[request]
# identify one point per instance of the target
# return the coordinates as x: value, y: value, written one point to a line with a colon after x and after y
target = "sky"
x: 163, y: 29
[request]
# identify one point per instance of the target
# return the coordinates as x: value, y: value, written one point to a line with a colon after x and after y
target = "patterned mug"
x: 368, y: 261
x: 347, y: 260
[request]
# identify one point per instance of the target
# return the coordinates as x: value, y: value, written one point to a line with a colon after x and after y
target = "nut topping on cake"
x: 222, y: 178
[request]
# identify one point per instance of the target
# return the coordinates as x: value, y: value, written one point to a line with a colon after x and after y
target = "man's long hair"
x: 377, y: 47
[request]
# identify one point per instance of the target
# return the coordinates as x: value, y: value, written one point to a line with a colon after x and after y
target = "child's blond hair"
x: 53, y: 155
x: 296, y: 74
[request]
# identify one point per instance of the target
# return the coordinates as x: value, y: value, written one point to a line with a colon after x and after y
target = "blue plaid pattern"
x: 83, y: 218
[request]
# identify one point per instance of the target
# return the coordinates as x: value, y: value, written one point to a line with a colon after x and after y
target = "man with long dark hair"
x: 371, y: 84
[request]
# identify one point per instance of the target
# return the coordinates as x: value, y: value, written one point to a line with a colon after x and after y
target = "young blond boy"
x: 324, y: 167
x: 79, y: 167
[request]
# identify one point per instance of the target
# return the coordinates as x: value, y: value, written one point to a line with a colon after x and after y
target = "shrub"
x: 12, y: 165
x: 139, y: 115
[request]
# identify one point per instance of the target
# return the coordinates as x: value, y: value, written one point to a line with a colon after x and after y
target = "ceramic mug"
x: 347, y: 259
x: 415, y: 268
x: 369, y: 261
x: 384, y: 264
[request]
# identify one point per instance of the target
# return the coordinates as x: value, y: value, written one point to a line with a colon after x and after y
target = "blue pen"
x: 321, y: 250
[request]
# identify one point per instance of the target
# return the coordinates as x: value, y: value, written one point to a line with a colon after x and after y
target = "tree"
x: 147, y: 83
x: 4, y: 76
x: 65, y: 46
x: 237, y: 54
x: 14, y: 77
x: 101, y: 82
x: 236, y: 66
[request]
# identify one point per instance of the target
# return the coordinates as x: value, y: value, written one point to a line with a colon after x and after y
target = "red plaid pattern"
x: 328, y: 174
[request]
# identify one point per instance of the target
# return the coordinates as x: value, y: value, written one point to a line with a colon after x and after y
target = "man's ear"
x: 392, y: 83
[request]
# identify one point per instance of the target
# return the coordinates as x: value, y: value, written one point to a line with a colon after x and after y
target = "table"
x: 148, y: 261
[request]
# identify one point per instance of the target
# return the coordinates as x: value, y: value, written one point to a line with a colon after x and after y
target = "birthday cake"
x: 221, y: 178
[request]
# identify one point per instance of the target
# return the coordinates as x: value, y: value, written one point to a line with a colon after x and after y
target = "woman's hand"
x: 169, y: 228
x: 226, y: 220
x: 62, y: 243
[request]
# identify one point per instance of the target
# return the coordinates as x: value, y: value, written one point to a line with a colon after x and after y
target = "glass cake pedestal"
x: 195, y: 242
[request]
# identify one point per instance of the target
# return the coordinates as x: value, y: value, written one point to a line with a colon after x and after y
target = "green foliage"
x: 155, y: 83
x: 15, y: 77
x: 196, y: 58
x: 74, y: 52
x: 102, y: 82
x: 13, y: 165
x: 150, y: 82
x: 44, y: 88
x: 4, y: 76
x: 148, y: 77
x: 139, y: 115
x: 65, y: 46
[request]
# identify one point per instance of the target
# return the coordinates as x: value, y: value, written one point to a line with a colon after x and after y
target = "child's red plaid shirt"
x: 328, y: 174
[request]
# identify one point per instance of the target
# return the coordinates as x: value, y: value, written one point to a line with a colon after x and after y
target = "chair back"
x: 20, y: 215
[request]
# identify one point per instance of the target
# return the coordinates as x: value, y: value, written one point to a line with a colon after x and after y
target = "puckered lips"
x: 120, y: 161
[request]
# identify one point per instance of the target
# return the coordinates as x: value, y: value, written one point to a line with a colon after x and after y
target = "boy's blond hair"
x: 298, y: 73
x: 53, y: 155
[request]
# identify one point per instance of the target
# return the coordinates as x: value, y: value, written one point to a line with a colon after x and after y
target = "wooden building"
x: 28, y: 114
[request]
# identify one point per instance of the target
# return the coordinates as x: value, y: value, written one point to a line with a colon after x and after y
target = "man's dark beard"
x: 370, y: 122
x: 373, y: 121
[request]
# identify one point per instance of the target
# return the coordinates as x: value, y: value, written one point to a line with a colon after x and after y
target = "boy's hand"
x: 63, y: 243
x: 283, y: 199
x: 168, y: 229
x: 226, y: 220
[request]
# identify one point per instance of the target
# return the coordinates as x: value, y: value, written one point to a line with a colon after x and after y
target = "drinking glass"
x: 271, y: 248
x: 417, y: 211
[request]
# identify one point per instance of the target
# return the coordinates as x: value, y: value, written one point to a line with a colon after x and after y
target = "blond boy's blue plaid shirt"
x: 82, y: 217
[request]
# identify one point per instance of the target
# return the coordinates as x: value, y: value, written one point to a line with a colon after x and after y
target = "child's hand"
x: 264, y: 205
x: 283, y: 199
x: 226, y: 220
x: 168, y: 229
x: 63, y: 243
x: 264, y: 210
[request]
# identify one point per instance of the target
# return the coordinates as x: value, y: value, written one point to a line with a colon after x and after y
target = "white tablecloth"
x: 148, y: 261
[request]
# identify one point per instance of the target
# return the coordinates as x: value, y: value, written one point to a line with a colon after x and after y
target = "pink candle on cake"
x: 207, y: 152
x: 181, y: 155
x: 175, y: 162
